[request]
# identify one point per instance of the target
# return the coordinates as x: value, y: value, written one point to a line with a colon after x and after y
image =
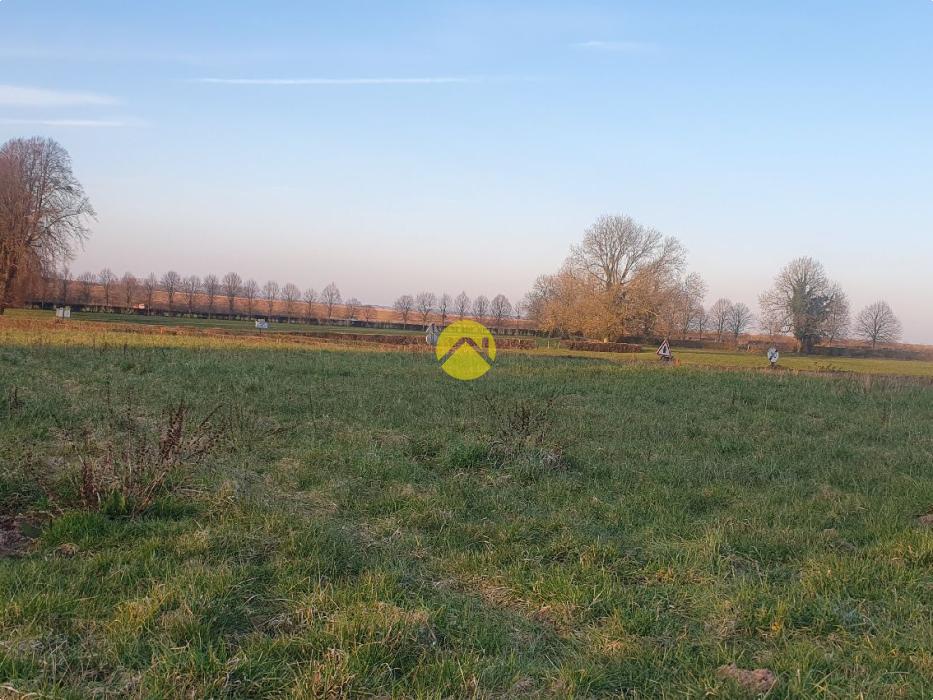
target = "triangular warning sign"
x: 665, y: 349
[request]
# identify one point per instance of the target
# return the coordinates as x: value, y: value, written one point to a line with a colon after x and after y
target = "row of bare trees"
x: 623, y: 277
x: 805, y: 303
x: 443, y: 307
x: 232, y: 295
x: 627, y: 279
x: 228, y: 294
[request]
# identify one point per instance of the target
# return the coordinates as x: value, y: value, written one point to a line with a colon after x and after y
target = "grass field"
x: 366, y: 526
x: 244, y: 326
x: 700, y: 358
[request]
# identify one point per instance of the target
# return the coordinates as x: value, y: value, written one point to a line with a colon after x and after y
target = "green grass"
x: 720, y: 359
x: 366, y: 534
x: 547, y: 346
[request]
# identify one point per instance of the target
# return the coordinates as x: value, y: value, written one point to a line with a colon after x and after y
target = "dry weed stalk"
x: 128, y: 477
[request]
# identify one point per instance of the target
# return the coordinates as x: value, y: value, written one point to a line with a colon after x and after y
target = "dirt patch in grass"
x: 12, y: 540
x: 761, y: 680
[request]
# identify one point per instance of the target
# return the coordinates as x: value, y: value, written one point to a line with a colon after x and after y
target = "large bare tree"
x: 837, y: 315
x: 740, y: 318
x: 719, y: 315
x: 250, y: 292
x: 771, y: 323
x: 290, y: 294
x: 802, y: 296
x: 232, y: 284
x: 877, y: 323
x: 309, y: 298
x: 480, y: 307
x: 150, y: 285
x: 403, y: 306
x: 107, y: 279
x: 50, y: 285
x: 270, y: 292
x: 191, y: 286
x: 519, y: 308
x: 211, y: 290
x: 330, y: 298
x: 43, y: 209
x: 86, y: 283
x: 130, y: 284
x: 171, y: 284
x: 462, y: 305
x: 689, y: 304
x: 614, y: 248
x: 541, y: 302
x: 352, y: 308
x: 622, y: 275
x: 624, y: 264
x: 443, y: 306
x: 424, y: 302
x: 499, y: 308
x: 64, y: 285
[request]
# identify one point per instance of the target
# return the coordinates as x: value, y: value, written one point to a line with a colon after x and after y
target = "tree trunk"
x: 7, y: 277
x: 3, y: 286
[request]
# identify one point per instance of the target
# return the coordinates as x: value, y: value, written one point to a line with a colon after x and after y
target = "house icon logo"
x: 466, y: 350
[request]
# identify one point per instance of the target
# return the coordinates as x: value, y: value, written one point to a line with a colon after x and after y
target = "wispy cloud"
x: 74, y: 123
x: 21, y: 96
x: 205, y: 59
x: 615, y: 46
x: 440, y: 80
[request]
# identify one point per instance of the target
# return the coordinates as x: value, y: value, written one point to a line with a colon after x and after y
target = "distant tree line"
x: 443, y: 308
x: 231, y: 296
x: 228, y: 295
x: 624, y: 279
x: 647, y: 295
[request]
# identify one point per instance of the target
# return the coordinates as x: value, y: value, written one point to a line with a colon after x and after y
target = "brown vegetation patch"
x: 593, y: 346
x: 12, y: 540
x: 400, y: 339
x: 760, y: 680
x: 68, y: 549
x: 410, y: 341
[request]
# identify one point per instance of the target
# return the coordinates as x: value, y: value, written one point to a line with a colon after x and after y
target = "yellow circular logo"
x: 466, y: 350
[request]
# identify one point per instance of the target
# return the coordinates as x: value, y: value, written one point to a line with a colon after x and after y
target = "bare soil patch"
x: 12, y: 540
x: 760, y: 680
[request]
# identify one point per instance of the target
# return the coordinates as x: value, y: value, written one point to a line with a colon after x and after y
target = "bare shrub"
x: 11, y: 401
x: 126, y: 474
x: 526, y: 433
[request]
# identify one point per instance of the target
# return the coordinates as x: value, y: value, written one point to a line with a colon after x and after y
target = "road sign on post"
x: 432, y: 334
x: 773, y: 356
x: 664, y: 352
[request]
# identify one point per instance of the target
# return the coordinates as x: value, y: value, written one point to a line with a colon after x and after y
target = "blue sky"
x: 394, y: 147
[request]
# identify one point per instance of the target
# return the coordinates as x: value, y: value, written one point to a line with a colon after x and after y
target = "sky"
x: 448, y: 146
